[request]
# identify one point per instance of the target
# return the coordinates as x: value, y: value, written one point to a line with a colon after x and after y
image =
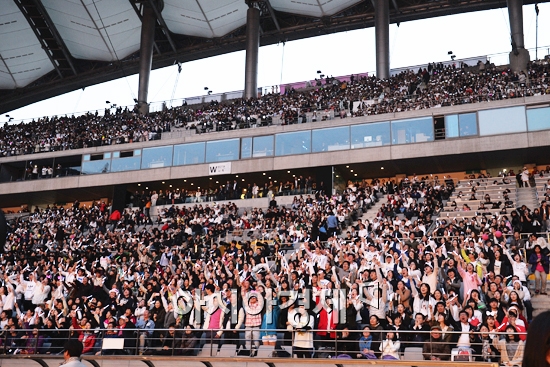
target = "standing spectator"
x: 539, y: 266
x: 525, y: 177
x: 303, y: 323
x: 253, y: 321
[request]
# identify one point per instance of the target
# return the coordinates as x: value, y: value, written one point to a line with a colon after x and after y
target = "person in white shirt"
x: 303, y: 323
x: 28, y: 290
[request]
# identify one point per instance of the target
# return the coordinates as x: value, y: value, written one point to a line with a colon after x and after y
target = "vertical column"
x: 519, y: 57
x: 252, y: 49
x: 120, y: 194
x: 146, y: 55
x: 382, y: 34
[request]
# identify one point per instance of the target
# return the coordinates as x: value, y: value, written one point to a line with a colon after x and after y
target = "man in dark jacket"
x: 436, y: 349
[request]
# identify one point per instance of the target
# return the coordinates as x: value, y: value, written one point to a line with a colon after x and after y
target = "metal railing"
x: 266, y: 343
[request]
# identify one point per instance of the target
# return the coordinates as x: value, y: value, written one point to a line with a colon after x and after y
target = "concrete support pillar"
x: 382, y: 34
x: 146, y: 55
x: 252, y: 50
x: 519, y: 57
x: 119, y: 199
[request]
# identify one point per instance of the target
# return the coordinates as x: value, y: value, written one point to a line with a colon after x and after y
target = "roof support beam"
x: 160, y: 20
x: 272, y: 13
x: 25, y: 11
x: 56, y: 35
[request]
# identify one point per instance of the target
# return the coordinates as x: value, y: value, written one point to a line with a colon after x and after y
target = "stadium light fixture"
x: 450, y: 53
x: 319, y: 72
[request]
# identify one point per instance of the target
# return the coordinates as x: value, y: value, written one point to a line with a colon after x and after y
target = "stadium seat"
x: 227, y: 350
x: 265, y: 351
x: 413, y: 354
x: 208, y: 350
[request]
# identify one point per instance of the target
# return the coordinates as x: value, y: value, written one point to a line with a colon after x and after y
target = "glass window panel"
x: 188, y: 154
x: 86, y: 157
x: 468, y: 124
x: 116, y: 155
x: 93, y: 167
x: 107, y: 156
x: 157, y: 157
x: 451, y: 126
x: 263, y: 146
x: 246, y: 147
x: 325, y: 140
x: 502, y: 121
x: 125, y: 164
x: 538, y: 118
x: 293, y: 143
x: 412, y: 131
x: 137, y: 152
x: 222, y: 150
x: 370, y: 135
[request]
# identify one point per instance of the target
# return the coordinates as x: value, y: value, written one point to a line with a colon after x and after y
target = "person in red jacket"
x: 85, y: 334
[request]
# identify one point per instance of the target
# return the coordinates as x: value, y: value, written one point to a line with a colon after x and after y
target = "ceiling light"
x: 184, y: 180
x: 139, y: 184
x: 163, y: 182
x: 381, y: 167
x: 263, y: 173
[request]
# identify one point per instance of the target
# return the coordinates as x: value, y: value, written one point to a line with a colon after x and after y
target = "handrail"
x: 271, y: 362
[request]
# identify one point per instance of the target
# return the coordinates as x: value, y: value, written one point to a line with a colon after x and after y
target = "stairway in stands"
x: 371, y: 213
x: 527, y: 196
x: 540, y: 303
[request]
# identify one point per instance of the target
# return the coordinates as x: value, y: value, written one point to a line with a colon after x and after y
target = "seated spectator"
x: 436, y: 348
x: 510, y: 347
x: 390, y: 346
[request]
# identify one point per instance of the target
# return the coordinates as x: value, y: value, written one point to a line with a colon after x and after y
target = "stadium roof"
x: 50, y: 47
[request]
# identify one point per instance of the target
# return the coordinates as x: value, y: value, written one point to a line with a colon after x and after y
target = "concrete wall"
x: 373, y: 154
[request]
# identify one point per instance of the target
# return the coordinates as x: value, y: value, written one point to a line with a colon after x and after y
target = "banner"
x: 219, y: 168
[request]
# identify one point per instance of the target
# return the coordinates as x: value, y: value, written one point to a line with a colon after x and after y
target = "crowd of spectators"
x: 431, y: 87
x: 85, y: 273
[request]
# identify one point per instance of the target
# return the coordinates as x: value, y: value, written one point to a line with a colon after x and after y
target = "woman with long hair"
x: 537, y: 347
x: 390, y: 346
x: 510, y: 347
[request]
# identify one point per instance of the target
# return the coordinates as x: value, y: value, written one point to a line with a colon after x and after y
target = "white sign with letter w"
x: 219, y: 168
